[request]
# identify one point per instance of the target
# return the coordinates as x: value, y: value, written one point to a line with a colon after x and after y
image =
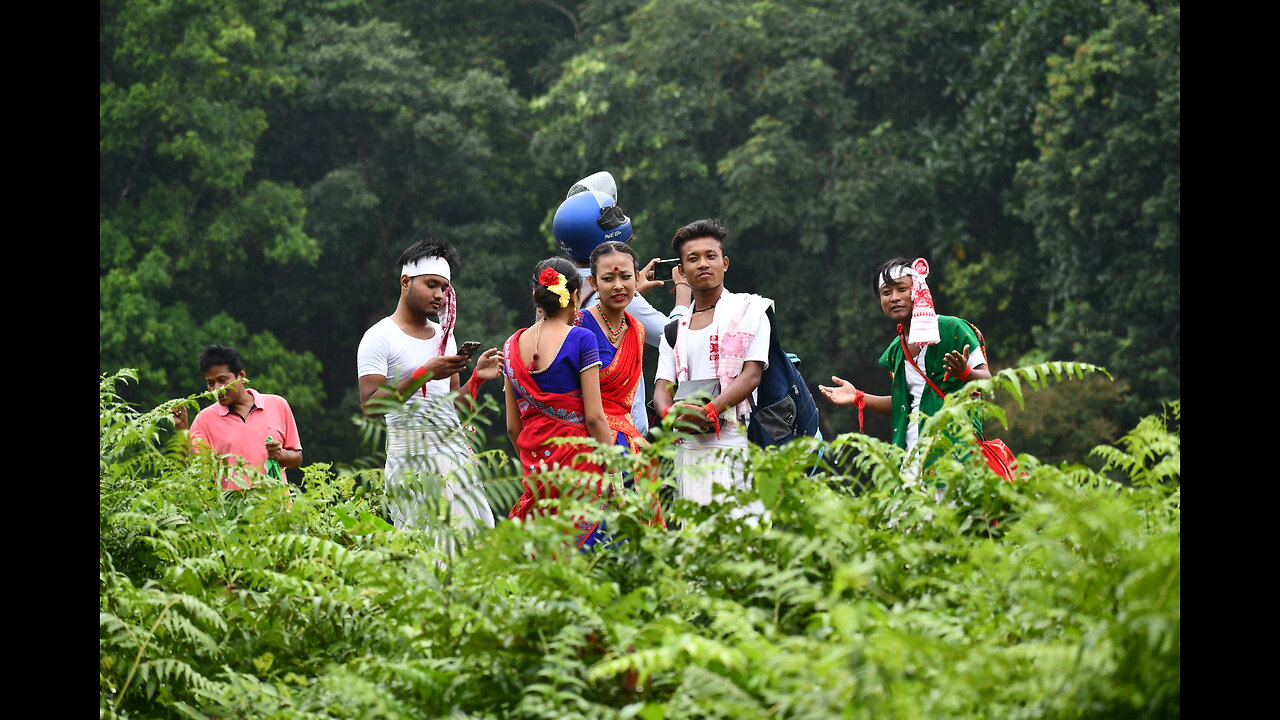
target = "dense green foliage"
x: 263, y: 163
x: 1104, y: 195
x: 1055, y: 596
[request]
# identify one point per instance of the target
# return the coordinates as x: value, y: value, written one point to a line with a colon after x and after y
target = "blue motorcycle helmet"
x: 586, y: 219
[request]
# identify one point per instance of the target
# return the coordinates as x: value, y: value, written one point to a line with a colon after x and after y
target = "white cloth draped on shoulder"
x: 737, y: 321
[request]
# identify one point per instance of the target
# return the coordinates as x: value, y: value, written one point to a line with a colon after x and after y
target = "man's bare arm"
x: 438, y: 367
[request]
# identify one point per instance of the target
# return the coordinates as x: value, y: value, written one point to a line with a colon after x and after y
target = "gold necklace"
x: 537, y: 342
x: 613, y: 334
x: 534, y: 365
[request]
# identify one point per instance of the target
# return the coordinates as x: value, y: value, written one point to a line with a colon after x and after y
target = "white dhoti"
x: 430, y: 479
x: 704, y: 462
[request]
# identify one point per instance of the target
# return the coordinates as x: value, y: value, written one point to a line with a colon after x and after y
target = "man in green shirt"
x: 950, y: 363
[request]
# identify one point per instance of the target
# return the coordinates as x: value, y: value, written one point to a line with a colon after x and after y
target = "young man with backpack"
x: 709, y: 374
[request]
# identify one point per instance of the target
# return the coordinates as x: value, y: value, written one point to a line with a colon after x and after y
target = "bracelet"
x: 473, y: 385
x: 964, y: 373
x: 417, y: 374
x: 714, y: 416
x: 666, y: 410
x: 859, y: 399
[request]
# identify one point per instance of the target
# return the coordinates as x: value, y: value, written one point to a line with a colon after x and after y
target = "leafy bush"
x: 1058, y: 595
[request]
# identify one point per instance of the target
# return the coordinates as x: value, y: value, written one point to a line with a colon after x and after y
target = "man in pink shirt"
x: 244, y: 422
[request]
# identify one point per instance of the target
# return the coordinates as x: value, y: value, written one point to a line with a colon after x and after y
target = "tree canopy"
x: 263, y: 164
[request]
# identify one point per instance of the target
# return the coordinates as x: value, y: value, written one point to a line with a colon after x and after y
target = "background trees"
x: 1103, y: 194
x: 193, y: 239
x: 263, y: 165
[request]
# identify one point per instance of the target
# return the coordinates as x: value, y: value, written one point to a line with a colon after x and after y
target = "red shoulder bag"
x: 998, y: 455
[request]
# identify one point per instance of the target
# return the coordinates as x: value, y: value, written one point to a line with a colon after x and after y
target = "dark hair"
x: 544, y: 298
x: 708, y: 227
x: 221, y: 355
x: 613, y: 246
x: 882, y: 273
x: 428, y: 248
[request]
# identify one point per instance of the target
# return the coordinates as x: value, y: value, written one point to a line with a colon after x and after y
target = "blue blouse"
x: 588, y: 321
x: 578, y: 352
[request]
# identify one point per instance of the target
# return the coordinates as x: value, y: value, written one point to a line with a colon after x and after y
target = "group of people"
x: 576, y: 372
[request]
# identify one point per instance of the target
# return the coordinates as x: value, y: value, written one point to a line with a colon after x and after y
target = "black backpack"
x: 785, y: 409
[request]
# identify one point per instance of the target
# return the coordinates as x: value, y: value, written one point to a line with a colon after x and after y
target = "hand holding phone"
x: 662, y: 268
x: 654, y: 274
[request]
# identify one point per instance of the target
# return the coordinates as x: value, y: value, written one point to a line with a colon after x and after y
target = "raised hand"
x: 956, y: 362
x: 684, y: 293
x: 489, y: 366
x: 179, y: 414
x: 844, y: 393
x: 445, y: 366
x: 645, y: 281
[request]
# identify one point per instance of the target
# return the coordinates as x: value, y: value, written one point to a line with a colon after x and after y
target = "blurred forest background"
x: 263, y: 163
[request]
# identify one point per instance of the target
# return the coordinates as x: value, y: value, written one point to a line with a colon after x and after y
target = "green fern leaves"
x: 856, y: 596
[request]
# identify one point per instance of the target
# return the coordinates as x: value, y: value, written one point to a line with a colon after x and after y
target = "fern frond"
x: 175, y: 671
x: 717, y: 695
x: 1151, y: 455
x: 319, y: 549
x: 197, y: 609
x: 272, y: 580
x: 677, y: 652
x: 201, y: 568
x: 178, y: 626
x: 115, y: 631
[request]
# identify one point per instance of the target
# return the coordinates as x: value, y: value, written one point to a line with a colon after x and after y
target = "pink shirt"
x: 228, y: 434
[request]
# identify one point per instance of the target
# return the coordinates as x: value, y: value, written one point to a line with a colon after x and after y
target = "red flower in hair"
x: 548, y: 277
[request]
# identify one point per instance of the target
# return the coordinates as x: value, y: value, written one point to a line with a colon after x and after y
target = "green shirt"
x: 954, y: 334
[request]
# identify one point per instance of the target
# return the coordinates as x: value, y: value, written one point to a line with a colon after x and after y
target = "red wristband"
x: 666, y: 410
x: 473, y: 385
x: 859, y: 399
x: 964, y: 373
x: 714, y: 416
x: 417, y: 374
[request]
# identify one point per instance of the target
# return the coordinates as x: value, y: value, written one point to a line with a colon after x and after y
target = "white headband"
x: 897, y: 272
x: 434, y: 265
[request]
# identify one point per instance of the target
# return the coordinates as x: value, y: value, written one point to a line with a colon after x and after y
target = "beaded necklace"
x: 613, y: 334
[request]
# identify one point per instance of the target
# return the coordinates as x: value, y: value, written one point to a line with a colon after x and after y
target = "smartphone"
x: 469, y: 347
x: 662, y: 268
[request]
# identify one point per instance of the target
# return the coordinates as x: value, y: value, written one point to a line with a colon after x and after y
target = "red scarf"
x: 619, y: 381
x: 618, y: 384
x: 543, y: 416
